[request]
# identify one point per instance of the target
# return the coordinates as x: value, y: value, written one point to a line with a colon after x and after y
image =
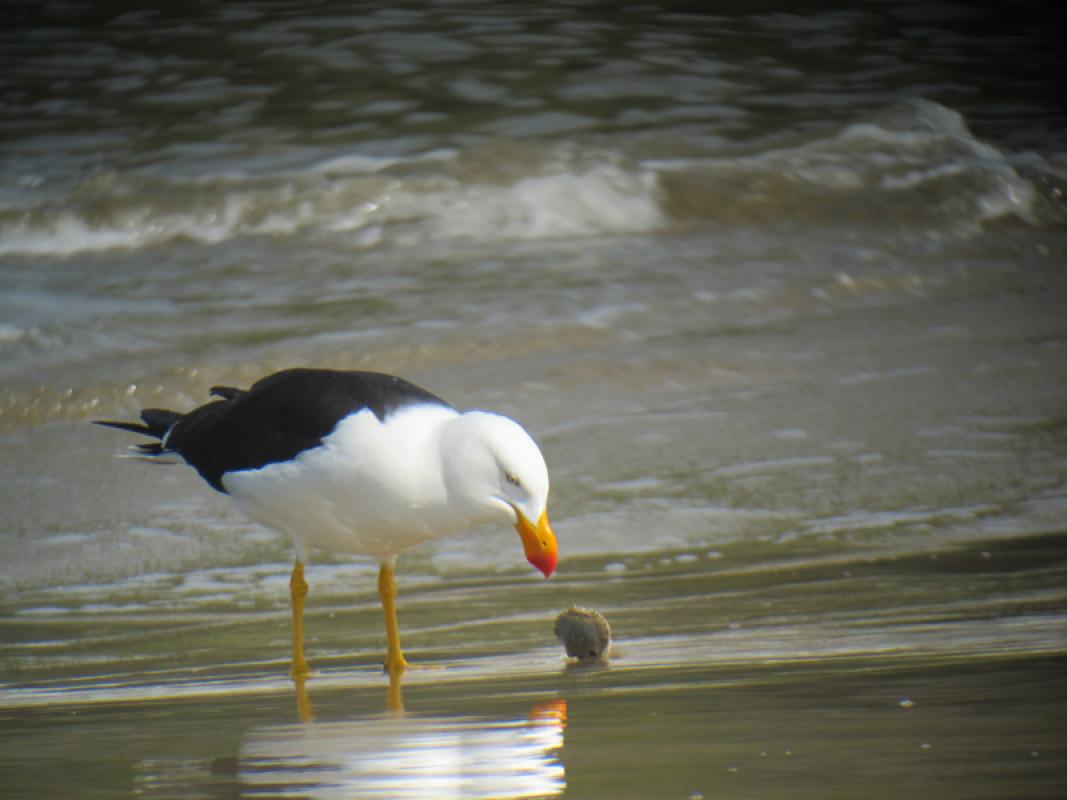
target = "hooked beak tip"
x: 547, y: 564
x: 539, y: 543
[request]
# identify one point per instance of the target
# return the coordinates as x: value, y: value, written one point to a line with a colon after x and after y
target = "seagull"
x: 362, y: 463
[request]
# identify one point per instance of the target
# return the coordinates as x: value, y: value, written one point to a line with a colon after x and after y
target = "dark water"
x: 779, y: 289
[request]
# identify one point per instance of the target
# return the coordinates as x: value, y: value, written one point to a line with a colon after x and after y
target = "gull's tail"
x: 155, y: 422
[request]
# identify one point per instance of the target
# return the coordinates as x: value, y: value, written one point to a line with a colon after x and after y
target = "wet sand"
x: 744, y: 693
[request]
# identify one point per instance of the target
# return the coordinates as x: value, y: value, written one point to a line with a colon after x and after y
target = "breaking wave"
x: 918, y: 162
x: 372, y: 204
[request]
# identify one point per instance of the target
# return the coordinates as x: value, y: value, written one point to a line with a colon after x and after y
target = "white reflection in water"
x: 412, y: 757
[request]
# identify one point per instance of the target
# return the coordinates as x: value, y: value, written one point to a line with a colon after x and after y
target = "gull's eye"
x: 511, y: 479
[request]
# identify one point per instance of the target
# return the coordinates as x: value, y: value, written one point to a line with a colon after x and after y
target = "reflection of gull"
x: 411, y: 757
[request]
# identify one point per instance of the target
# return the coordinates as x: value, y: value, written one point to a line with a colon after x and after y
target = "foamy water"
x: 918, y: 161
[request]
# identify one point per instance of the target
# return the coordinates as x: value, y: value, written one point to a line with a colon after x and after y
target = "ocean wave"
x: 374, y: 202
x: 917, y: 164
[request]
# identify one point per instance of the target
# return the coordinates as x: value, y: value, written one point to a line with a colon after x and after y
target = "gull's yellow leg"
x: 394, y: 697
x: 303, y: 703
x: 298, y: 590
x: 394, y: 659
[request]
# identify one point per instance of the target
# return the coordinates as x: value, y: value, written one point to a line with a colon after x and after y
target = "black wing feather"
x: 280, y: 417
x: 154, y: 422
x: 225, y: 392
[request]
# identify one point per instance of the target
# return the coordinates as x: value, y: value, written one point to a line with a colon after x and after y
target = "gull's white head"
x: 496, y: 471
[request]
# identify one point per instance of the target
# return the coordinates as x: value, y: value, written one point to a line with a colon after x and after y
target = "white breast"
x: 373, y: 487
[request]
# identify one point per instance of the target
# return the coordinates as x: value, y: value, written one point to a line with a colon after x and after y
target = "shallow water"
x: 781, y: 296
